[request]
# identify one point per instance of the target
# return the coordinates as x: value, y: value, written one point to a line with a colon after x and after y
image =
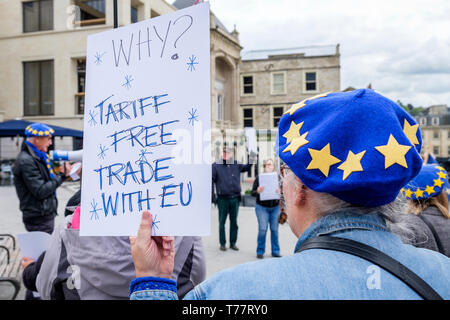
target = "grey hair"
x: 394, y: 213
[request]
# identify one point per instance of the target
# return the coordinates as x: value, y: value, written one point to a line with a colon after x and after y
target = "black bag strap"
x: 375, y: 256
x: 433, y: 231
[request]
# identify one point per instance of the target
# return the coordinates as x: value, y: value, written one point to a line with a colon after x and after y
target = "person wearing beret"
x: 36, y: 181
x: 428, y: 208
x: 348, y: 156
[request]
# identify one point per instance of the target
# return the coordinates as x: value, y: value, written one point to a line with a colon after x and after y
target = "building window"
x: 435, y: 121
x: 248, y: 117
x: 37, y: 15
x: 436, y: 151
x: 277, y: 114
x: 220, y: 107
x: 81, y: 80
x: 278, y: 83
x: 423, y: 121
x: 310, y: 81
x: 38, y: 88
x: 247, y: 85
x: 134, y: 14
x: 448, y: 134
x: 92, y: 12
x: 448, y: 150
x: 435, y: 134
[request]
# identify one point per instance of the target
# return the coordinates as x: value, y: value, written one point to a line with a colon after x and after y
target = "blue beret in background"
x: 38, y: 130
x: 358, y: 146
x: 430, y: 182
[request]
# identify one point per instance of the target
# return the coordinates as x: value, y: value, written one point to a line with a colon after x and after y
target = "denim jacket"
x: 322, y: 274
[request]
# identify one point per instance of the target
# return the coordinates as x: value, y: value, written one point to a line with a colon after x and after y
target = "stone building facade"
x: 43, y: 61
x: 272, y: 80
x: 434, y: 123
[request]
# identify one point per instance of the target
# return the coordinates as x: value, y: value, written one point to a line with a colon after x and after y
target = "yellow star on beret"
x: 438, y: 182
x: 408, y: 193
x: 322, y: 160
x: 429, y: 190
x: 293, y: 132
x: 296, y: 143
x: 411, y: 132
x: 442, y: 175
x: 419, y: 193
x: 352, y: 164
x: 302, y: 103
x: 394, y: 153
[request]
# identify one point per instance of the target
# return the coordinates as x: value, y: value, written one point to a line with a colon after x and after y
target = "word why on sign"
x: 138, y: 44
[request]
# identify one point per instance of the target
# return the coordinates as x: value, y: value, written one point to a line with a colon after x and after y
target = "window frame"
x: 243, y: 85
x: 248, y: 118
x: 39, y: 27
x: 305, y: 81
x: 438, y: 150
x: 92, y: 21
x: 272, y: 74
x: 40, y: 106
x: 272, y: 114
x: 80, y: 94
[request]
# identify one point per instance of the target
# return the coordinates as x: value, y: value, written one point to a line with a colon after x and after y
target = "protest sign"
x: 271, y: 187
x: 147, y: 98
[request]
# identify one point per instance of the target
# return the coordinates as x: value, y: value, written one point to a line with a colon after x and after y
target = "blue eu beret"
x: 430, y: 182
x: 358, y: 146
x: 38, y: 130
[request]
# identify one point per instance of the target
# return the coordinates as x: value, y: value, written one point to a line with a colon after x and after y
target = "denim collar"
x: 343, y: 221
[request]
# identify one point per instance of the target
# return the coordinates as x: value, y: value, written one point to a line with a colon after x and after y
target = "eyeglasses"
x: 284, y: 170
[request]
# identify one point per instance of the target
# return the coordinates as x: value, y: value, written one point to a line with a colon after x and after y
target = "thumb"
x: 145, y: 228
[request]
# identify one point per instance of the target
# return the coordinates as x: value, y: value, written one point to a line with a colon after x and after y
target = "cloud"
x: 402, y: 47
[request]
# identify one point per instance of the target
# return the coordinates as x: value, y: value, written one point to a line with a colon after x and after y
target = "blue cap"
x: 358, y: 146
x: 430, y: 182
x: 38, y: 130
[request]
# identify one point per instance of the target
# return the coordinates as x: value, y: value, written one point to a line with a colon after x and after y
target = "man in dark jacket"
x: 36, y: 181
x: 226, y: 176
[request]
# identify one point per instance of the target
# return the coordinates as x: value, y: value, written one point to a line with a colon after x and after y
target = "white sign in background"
x: 145, y: 84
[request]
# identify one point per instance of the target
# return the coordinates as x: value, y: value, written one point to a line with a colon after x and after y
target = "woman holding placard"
x: 266, y: 190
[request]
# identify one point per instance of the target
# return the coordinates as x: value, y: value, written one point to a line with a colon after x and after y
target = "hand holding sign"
x: 152, y: 256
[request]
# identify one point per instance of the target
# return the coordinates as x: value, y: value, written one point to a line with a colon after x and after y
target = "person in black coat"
x: 226, y: 176
x: 36, y: 181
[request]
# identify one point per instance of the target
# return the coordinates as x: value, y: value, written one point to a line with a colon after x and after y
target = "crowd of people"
x: 355, y: 189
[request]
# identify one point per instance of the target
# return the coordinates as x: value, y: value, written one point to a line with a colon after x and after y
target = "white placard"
x: 33, y: 243
x: 270, y: 183
x: 250, y: 134
x: 147, y: 127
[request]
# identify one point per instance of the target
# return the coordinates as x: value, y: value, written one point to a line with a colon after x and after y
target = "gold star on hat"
x: 419, y: 193
x: 438, y: 182
x: 293, y: 132
x: 442, y: 175
x: 322, y: 160
x: 408, y: 193
x: 411, y: 132
x: 429, y: 190
x: 302, y: 103
x: 352, y: 164
x: 296, y: 143
x: 394, y: 153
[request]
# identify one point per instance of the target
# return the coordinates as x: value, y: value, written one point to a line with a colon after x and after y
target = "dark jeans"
x: 228, y: 206
x: 46, y: 224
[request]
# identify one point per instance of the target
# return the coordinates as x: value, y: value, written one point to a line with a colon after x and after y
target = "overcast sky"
x: 402, y: 47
